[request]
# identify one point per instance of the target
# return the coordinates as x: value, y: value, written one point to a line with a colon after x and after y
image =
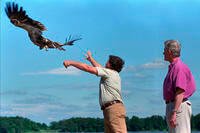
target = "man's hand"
x: 81, y: 66
x: 172, y: 120
x: 67, y: 63
x: 92, y: 60
x: 89, y: 56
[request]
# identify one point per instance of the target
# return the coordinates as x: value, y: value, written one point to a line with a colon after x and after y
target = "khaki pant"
x: 183, y: 117
x: 114, y: 119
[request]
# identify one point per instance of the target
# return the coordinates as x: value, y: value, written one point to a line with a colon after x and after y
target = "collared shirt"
x: 179, y: 75
x: 109, y: 86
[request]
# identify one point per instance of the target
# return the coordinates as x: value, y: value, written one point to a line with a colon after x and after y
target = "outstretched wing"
x: 15, y: 14
x: 19, y: 18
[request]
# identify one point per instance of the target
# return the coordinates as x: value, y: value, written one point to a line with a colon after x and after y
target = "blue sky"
x: 35, y: 84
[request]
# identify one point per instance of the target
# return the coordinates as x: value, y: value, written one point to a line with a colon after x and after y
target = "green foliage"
x: 144, y: 124
x: 135, y: 124
x: 19, y: 124
x: 79, y: 125
x: 196, y: 122
x: 155, y: 123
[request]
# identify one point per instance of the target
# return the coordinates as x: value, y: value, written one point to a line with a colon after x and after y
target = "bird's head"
x: 16, y: 22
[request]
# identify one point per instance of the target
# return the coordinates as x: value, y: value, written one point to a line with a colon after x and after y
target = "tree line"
x: 19, y: 124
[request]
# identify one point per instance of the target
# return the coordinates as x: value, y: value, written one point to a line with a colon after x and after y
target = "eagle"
x: 19, y: 18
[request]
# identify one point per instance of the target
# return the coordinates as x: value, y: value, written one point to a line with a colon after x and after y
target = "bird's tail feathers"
x: 71, y: 39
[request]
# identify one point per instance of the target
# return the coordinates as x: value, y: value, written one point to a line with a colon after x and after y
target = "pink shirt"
x: 179, y: 75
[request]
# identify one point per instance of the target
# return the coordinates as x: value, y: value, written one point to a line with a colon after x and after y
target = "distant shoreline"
x: 154, y: 123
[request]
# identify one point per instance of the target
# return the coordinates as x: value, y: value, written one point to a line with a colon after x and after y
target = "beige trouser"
x: 114, y: 119
x: 183, y: 117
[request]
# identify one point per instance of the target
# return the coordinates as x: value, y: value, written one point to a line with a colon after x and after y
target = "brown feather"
x: 19, y: 18
x: 13, y: 12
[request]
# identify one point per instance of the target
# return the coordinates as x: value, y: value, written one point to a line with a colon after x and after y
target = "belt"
x: 109, y: 104
x: 170, y: 101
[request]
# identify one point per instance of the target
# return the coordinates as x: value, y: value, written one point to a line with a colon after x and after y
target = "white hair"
x: 174, y: 46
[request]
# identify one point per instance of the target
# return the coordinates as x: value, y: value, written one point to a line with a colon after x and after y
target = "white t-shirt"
x: 109, y: 86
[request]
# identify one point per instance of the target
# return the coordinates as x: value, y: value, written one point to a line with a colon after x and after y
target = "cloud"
x: 144, y: 75
x: 86, y: 86
x: 153, y: 65
x: 27, y: 109
x: 47, y: 108
x: 39, y: 99
x: 91, y: 96
x: 56, y: 71
x: 14, y: 92
x: 24, y: 97
x: 127, y: 93
x: 51, y: 112
x: 156, y: 64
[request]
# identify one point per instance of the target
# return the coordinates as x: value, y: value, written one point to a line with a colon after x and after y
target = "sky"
x: 35, y: 84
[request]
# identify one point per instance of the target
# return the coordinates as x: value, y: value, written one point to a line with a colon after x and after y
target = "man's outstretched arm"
x: 92, y: 60
x: 81, y: 66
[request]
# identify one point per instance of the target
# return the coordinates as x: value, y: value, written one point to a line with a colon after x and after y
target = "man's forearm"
x: 81, y: 66
x: 178, y: 99
x: 94, y: 62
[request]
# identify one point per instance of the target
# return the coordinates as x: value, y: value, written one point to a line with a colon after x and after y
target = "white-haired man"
x: 178, y: 86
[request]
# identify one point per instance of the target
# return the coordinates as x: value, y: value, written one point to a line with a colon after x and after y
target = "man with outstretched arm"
x: 110, y: 98
x: 178, y: 86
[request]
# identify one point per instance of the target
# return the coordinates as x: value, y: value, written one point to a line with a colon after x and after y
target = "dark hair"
x: 116, y: 63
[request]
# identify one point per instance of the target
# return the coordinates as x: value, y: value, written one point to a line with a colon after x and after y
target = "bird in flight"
x: 19, y: 18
